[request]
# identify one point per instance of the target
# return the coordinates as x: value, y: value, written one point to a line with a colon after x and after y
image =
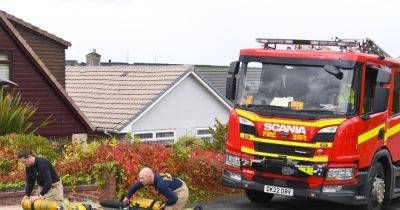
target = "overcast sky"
x: 203, y: 31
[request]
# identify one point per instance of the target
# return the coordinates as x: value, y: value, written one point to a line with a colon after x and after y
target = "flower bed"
x: 86, y: 163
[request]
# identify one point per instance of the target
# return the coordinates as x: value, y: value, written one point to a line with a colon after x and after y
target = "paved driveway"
x: 280, y: 203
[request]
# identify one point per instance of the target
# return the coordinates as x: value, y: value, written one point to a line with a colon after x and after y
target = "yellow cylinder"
x: 77, y: 206
x: 26, y: 204
x: 39, y: 204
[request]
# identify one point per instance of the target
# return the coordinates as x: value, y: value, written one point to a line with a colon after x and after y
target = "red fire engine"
x: 317, y: 119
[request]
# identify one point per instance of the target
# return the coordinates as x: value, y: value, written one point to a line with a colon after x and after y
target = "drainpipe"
x: 105, y: 131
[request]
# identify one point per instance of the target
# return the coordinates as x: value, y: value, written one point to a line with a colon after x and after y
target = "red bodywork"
x: 346, y: 149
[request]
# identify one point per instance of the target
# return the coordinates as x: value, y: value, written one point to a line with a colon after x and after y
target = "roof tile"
x: 111, y: 95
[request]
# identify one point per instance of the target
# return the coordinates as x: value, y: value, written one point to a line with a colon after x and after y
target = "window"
x: 143, y: 136
x: 369, y: 89
x: 204, y: 133
x: 155, y: 135
x: 4, y: 66
x: 163, y: 135
x: 396, y: 94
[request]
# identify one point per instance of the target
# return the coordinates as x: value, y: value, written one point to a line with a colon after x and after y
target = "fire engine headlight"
x: 340, y: 174
x: 326, y: 134
x: 234, y: 176
x: 232, y: 160
x: 331, y: 129
x: 246, y: 126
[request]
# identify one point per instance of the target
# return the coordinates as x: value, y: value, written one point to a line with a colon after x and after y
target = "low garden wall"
x: 78, y: 193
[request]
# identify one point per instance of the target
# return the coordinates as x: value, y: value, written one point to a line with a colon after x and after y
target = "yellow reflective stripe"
x: 307, y: 170
x: 393, y: 130
x: 319, y: 123
x: 370, y: 134
x: 318, y: 159
x: 289, y: 143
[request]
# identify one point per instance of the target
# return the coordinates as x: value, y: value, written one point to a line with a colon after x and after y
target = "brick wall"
x: 80, y: 193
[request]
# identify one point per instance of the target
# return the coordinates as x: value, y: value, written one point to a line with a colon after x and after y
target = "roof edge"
x: 36, y: 29
x: 40, y: 65
x: 211, y: 90
x: 158, y: 97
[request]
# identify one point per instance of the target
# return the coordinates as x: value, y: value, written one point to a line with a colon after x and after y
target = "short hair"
x: 24, y: 154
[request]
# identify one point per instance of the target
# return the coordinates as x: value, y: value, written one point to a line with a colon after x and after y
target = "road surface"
x: 280, y: 203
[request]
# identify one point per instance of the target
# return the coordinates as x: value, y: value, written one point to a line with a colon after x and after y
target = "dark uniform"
x: 174, y: 189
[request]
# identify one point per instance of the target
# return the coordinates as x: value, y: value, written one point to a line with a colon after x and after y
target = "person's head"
x: 26, y: 157
x: 146, y: 176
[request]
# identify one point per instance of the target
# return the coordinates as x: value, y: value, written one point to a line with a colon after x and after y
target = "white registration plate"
x: 278, y: 190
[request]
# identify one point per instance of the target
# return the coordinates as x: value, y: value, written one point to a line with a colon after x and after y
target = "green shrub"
x: 40, y: 146
x: 181, y: 148
x: 219, y: 134
x: 15, y: 115
x: 5, y: 166
x: 188, y: 141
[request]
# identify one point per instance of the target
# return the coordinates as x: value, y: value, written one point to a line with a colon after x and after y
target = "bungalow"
x: 35, y: 60
x: 154, y: 102
x: 215, y: 77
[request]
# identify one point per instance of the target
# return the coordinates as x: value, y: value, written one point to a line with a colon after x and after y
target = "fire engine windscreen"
x: 307, y: 89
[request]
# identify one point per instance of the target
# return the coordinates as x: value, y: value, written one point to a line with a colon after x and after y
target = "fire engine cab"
x: 315, y: 119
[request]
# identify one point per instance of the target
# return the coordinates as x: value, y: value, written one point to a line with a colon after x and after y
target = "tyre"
x: 259, y: 196
x: 376, y: 188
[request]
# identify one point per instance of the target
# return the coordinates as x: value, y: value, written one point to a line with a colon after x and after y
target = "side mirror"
x: 380, y: 99
x: 231, y: 87
x: 234, y: 68
x: 383, y: 76
x: 334, y: 70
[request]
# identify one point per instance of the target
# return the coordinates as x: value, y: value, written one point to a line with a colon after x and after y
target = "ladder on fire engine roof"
x: 363, y: 45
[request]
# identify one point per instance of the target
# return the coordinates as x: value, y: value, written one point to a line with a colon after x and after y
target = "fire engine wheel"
x: 376, y: 186
x: 259, y: 196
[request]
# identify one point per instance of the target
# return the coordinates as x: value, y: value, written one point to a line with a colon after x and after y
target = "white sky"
x: 203, y: 31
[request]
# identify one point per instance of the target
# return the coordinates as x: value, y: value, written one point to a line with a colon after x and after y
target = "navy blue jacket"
x: 43, y: 172
x: 164, y: 184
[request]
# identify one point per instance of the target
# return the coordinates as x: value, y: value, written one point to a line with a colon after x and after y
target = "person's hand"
x: 162, y: 206
x: 126, y: 201
x: 33, y: 198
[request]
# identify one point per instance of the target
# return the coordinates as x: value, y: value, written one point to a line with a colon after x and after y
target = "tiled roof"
x: 110, y: 96
x: 35, y: 29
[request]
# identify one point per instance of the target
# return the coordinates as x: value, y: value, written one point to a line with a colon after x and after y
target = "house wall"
x: 52, y: 54
x: 187, y: 107
x: 35, y: 89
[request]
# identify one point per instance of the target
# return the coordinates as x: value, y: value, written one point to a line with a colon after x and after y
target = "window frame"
x: 203, y: 135
x: 364, y: 86
x: 154, y: 135
x: 392, y: 114
x: 9, y: 62
x: 142, y: 132
x: 165, y: 138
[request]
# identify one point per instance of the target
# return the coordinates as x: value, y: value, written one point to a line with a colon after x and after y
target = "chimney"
x: 93, y: 58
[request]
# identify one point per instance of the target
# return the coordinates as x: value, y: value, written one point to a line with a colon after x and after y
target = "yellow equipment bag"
x: 39, y: 204
x: 145, y: 203
x: 42, y: 204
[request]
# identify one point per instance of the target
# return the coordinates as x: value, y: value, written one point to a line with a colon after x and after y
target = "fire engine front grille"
x: 284, y: 149
x: 275, y: 166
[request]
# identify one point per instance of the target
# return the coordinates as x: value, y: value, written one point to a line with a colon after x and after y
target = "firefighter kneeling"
x: 173, y: 188
x: 39, y: 170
